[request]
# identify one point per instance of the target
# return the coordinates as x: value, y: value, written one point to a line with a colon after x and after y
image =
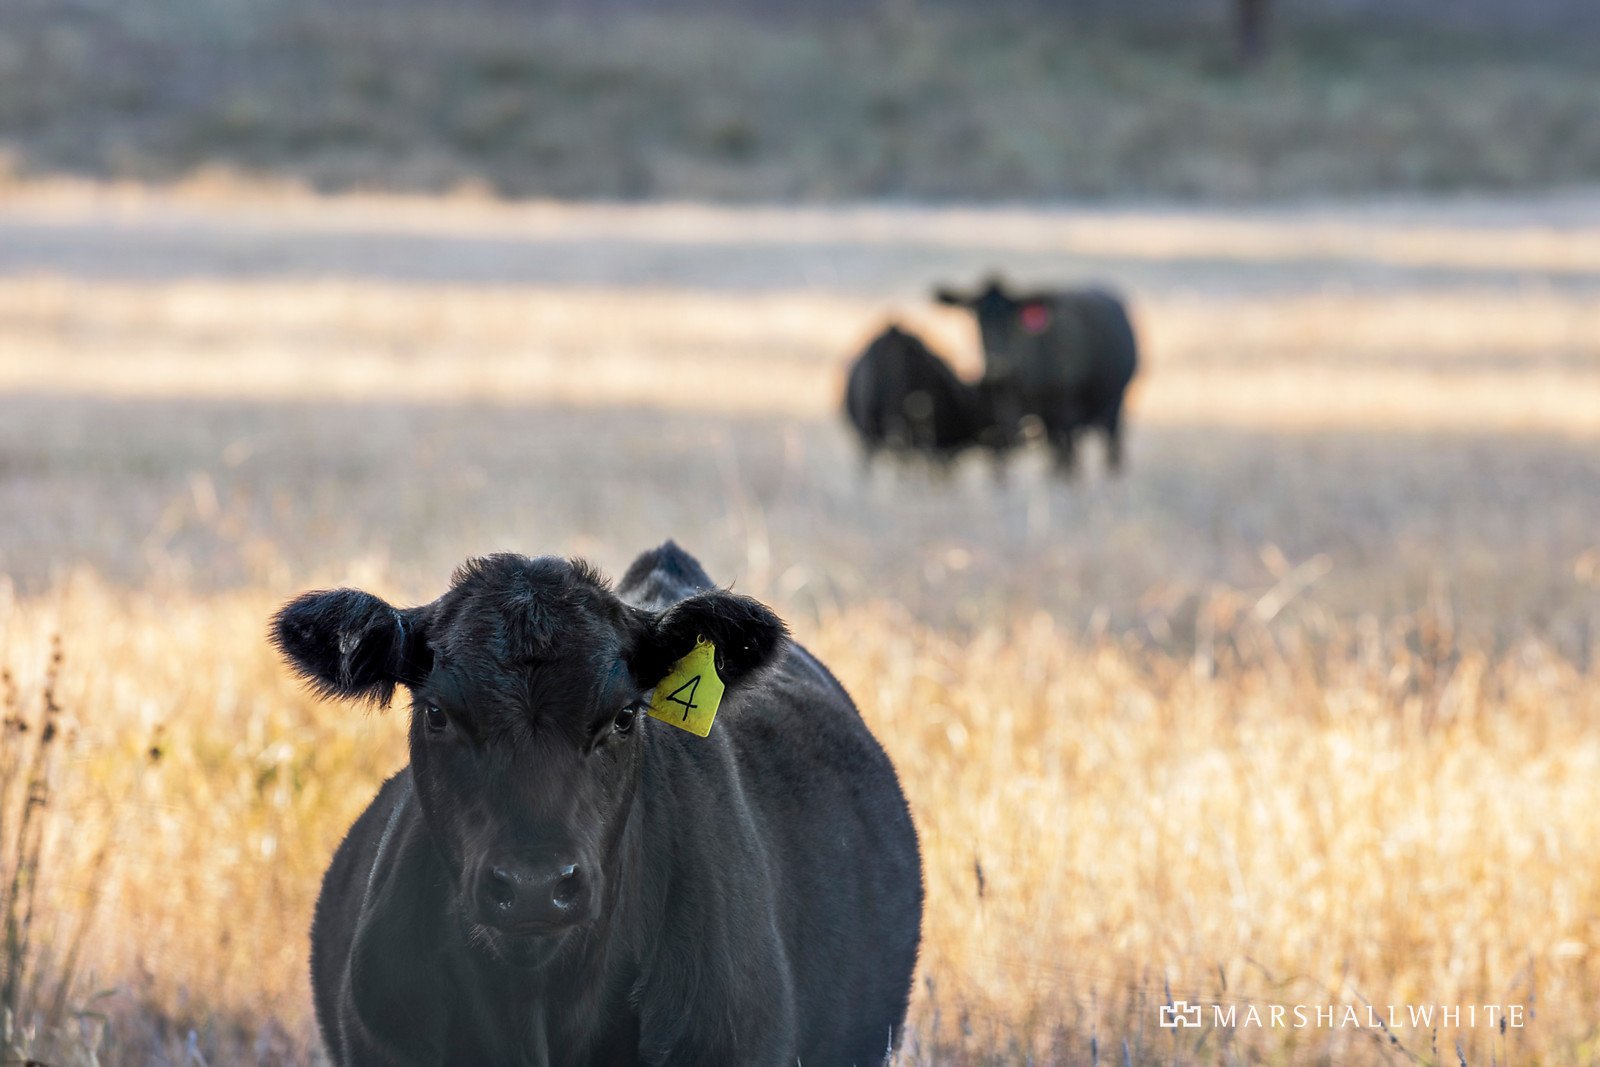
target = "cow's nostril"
x: 502, y: 889
x: 567, y: 886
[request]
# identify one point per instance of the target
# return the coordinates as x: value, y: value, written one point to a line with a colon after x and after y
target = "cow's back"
x: 842, y: 837
x: 832, y: 830
x: 1087, y: 345
x: 900, y: 393
x: 1109, y: 336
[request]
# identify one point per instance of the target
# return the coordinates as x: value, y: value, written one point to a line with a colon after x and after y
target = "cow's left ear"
x: 745, y: 632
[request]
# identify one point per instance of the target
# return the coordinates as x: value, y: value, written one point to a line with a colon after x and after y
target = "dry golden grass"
x: 1463, y: 324
x: 1299, y: 818
x: 1419, y: 361
x: 1301, y: 712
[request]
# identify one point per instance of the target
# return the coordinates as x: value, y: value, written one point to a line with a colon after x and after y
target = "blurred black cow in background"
x: 903, y: 398
x: 1063, y: 356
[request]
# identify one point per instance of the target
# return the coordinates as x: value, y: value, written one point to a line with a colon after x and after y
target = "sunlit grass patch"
x: 1372, y: 812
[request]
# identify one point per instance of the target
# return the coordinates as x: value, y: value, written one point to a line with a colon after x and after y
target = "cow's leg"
x: 998, y: 457
x: 1113, y: 428
x: 1003, y: 433
x: 1062, y: 434
x: 1250, y: 30
x: 869, y: 453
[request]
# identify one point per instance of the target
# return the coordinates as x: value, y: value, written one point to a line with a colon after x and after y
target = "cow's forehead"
x: 511, y: 612
x: 563, y: 691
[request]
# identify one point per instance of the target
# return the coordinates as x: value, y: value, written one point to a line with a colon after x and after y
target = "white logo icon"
x: 1180, y: 1013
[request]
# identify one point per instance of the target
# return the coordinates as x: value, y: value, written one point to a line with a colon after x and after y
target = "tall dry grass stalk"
x: 56, y: 848
x: 1285, y: 813
x: 37, y: 971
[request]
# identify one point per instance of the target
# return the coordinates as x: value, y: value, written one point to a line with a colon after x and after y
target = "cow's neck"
x: 577, y: 1007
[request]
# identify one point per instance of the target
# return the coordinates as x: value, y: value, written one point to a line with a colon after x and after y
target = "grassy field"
x: 1302, y: 710
x: 884, y: 99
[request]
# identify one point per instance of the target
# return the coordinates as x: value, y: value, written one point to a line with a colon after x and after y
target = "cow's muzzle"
x: 525, y: 897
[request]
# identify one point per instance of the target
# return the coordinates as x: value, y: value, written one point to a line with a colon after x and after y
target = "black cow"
x: 1064, y: 356
x: 902, y: 397
x: 558, y: 879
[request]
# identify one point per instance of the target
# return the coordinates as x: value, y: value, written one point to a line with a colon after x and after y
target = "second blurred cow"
x: 902, y: 398
x: 1064, y: 356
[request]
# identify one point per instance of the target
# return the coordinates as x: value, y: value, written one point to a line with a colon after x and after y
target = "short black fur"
x: 348, y: 644
x: 902, y: 398
x: 753, y: 897
x: 1064, y: 356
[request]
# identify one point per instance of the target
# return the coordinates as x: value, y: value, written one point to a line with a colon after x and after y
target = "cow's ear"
x: 951, y: 298
x: 995, y: 285
x: 745, y: 632
x: 351, y: 644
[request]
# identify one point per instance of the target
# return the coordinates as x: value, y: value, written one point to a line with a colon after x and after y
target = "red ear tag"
x: 1035, y: 318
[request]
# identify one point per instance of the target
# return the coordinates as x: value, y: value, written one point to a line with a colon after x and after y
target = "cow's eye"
x: 434, y: 718
x: 625, y: 719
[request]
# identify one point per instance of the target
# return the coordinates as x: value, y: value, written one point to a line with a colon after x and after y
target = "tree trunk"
x: 1250, y: 30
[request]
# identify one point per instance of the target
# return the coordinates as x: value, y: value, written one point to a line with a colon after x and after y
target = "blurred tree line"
x: 810, y: 99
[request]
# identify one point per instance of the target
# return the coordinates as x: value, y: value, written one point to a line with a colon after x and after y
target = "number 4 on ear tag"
x: 689, y: 695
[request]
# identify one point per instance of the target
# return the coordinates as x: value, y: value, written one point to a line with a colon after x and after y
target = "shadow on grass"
x: 177, y: 247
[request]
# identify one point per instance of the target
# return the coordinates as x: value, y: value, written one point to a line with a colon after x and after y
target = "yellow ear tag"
x: 689, y: 695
